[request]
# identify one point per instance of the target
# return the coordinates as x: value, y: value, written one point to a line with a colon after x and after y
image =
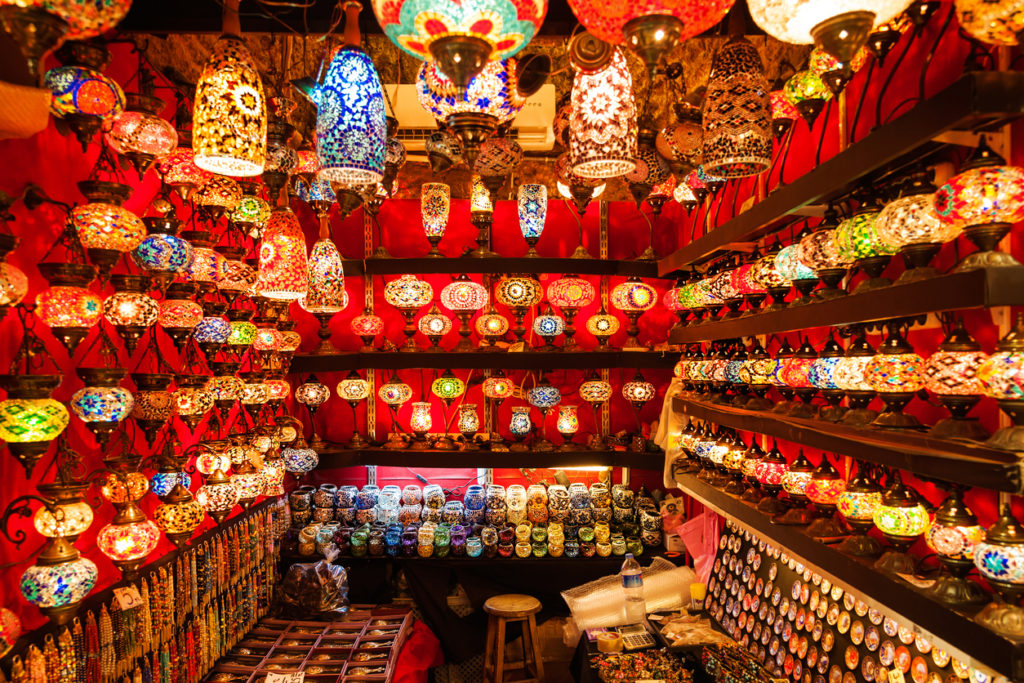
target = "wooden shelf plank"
x: 954, y: 291
x: 337, y: 456
x: 975, y: 100
x: 482, y: 360
x: 458, y: 265
x: 953, y: 461
x: 956, y: 628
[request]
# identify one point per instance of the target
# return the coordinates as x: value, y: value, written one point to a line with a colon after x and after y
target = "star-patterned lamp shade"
x: 350, y: 125
x: 299, y: 461
x: 825, y: 486
x: 491, y: 325
x: 602, y: 325
x: 408, y: 292
x: 494, y: 92
x: 219, y: 192
x: 634, y: 296
x: 105, y: 225
x: 252, y: 211
x: 140, y: 132
x: 498, y: 388
x: 325, y: 279
x: 603, y: 124
x: 520, y: 424
x: 901, y: 515
x: 548, y: 325
x: 76, y: 90
x: 283, y: 264
x: 70, y: 306
x: 544, y: 396
x: 737, y: 113
x: 953, y: 369
x: 434, y: 324
x: 129, y: 539
x: 367, y: 325
x: 984, y: 195
x: 1000, y: 556
x: 448, y: 387
x: 229, y: 119
x: 955, y: 532
x: 532, y: 201
x: 313, y: 393
x: 179, y: 516
x: 518, y: 292
x: 394, y: 392
x: 608, y: 21
x: 179, y: 169
x: 58, y: 580
x: 996, y: 22
x: 435, y: 200
x: 161, y: 252
x: 571, y: 292
x: 638, y: 390
x: 912, y: 219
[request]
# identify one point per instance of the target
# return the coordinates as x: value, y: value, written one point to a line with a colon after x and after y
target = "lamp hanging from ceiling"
x: 283, y: 265
x: 81, y: 98
x: 140, y: 135
x: 603, y: 126
x: 996, y: 22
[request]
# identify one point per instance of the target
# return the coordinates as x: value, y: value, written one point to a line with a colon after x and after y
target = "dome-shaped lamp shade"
x: 913, y: 220
x: 77, y: 90
x: 464, y: 296
x: 602, y: 126
x: 229, y: 120
x: 532, y: 202
x: 350, y: 123
x: 435, y: 203
x: 737, y: 113
x: 498, y: 388
x: 325, y: 278
x: 283, y: 265
x: 997, y: 22
x: 571, y: 292
x: 544, y: 396
x: 56, y: 587
x: 142, y: 133
x: 595, y: 391
x: 102, y: 225
x: 613, y: 22
x: 408, y: 292
x: 494, y: 92
x: 807, y: 93
x: 395, y: 393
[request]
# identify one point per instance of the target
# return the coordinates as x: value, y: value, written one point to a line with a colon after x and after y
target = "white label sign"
x: 295, y: 677
x: 128, y: 597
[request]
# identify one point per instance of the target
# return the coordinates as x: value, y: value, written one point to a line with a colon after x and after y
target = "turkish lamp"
x: 448, y: 387
x: 206, y: 263
x: 101, y: 403
x: 353, y: 390
x: 547, y: 325
x: 13, y: 282
x: 435, y: 201
x: 602, y: 325
x: 603, y: 122
x: 570, y: 293
x: 859, y: 242
x: 994, y: 23
x: 519, y: 293
x: 216, y: 454
x: 420, y: 423
x: 770, y: 472
x: 784, y: 112
x: 856, y: 506
x: 394, y: 155
x: 953, y: 536
x: 633, y: 298
x: 491, y: 326
x: 162, y: 254
x: 82, y: 99
x: 808, y: 94
x: 243, y: 331
x: 140, y: 135
x: 793, y: 270
x: 299, y: 458
x: 104, y: 227
x: 685, y: 196
x: 152, y: 404
x: 283, y: 265
x: 795, y: 482
x: 225, y: 386
x: 444, y: 150
x: 520, y: 426
x: 248, y: 484
x: 463, y: 297
x: 782, y: 356
x: 733, y: 463
x: 698, y: 187
x: 59, y: 580
x: 130, y: 309
x: 951, y: 374
x: 756, y: 372
x: 999, y: 559
x: 895, y: 373
x: 128, y: 540
x: 822, y: 376
x: 1003, y: 380
x: 835, y: 73
x: 544, y: 397
x: 680, y: 143
x: 272, y: 473
x: 597, y: 393
x: 765, y: 273
x: 395, y: 393
x: 178, y: 516
x: 251, y: 213
x: 367, y: 326
x: 122, y: 488
x: 819, y: 252
x: 281, y: 159
x: 213, y: 331
x: 66, y: 514
x: 469, y: 425
x: 532, y: 204
x: 714, y: 454
x: 795, y: 373
x: 179, y: 171
x: 217, y: 196
x: 36, y: 29
x: 823, y: 490
x: 638, y: 391
x: 850, y: 375
x: 984, y: 200
x: 235, y: 277
x: 192, y: 399
x: 901, y: 518
x: 218, y: 496
x: 481, y: 215
x: 884, y: 37
x: 748, y: 467
x: 408, y: 294
x: 325, y: 294
x: 313, y: 393
x: 650, y: 168
x: 911, y: 225
x: 278, y: 389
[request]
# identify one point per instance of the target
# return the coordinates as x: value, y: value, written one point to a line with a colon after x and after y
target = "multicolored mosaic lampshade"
x: 737, y: 113
x: 568, y: 422
x: 408, y: 292
x: 912, y: 219
x: 68, y: 517
x: 857, y: 237
x: 900, y: 372
x: 141, y: 135
x: 435, y: 200
x: 84, y: 18
x: 366, y: 327
x: 518, y: 292
x: 59, y: 580
x: 448, y: 387
x: 602, y: 325
x: 253, y: 212
x: 350, y: 123
x: 325, y: 278
x: 638, y: 391
x: 802, y: 23
x: 229, y: 119
x: 789, y: 266
x: 179, y: 515
x: 494, y: 92
x: 807, y: 93
x: 78, y: 90
x: 611, y: 23
x: 634, y: 295
x: 532, y: 202
x: 603, y: 124
x: 544, y: 396
x: 283, y: 263
x: 996, y: 22
x: 498, y: 388
x: 105, y: 225
x: 464, y: 295
x: 954, y: 370
x: 548, y: 325
x: 218, y: 496
x: 571, y: 292
x: 434, y: 325
x: 420, y: 420
x: 179, y: 170
x: 394, y: 393
x: 520, y: 424
x: 129, y: 539
x: 595, y: 391
x: 499, y: 156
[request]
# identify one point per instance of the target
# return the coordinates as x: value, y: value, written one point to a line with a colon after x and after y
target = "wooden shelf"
x: 337, y: 456
x: 483, y: 360
x: 953, y: 461
x: 977, y: 100
x: 956, y: 628
x: 501, y: 264
x: 955, y: 291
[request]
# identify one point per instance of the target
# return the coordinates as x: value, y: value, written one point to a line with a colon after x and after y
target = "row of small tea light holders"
x: 959, y: 373
x: 836, y: 508
x: 448, y: 388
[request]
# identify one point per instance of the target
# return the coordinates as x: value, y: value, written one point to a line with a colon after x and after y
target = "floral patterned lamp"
x: 532, y: 201
x: 770, y: 471
x: 597, y: 392
x: 519, y: 293
x: 570, y: 293
x: 859, y: 243
x: 568, y: 424
x: 367, y: 326
x: 140, y: 135
x: 850, y: 378
x: 59, y: 580
x: 895, y: 373
x: 951, y: 374
x: 420, y: 423
x: 463, y: 297
x: 105, y: 228
x: 496, y: 389
x: 434, y: 326
x: 353, y: 390
x: 128, y: 540
x: 857, y: 506
x: 954, y: 535
x: 435, y: 199
x: 1000, y: 560
x: 901, y: 518
x: 911, y: 225
x: 995, y: 22
x: 819, y: 252
x: 795, y: 481
x: 808, y: 94
x: 408, y: 294
x: 81, y: 97
x: 1003, y: 379
x: 130, y: 309
x: 544, y: 397
x: 633, y: 298
x: 602, y: 125
x: 751, y: 460
x: 283, y: 268
x: 178, y: 516
x: 823, y: 490
x: 791, y: 269
x: 520, y: 427
x: 491, y: 326
x: 101, y: 403
x: 821, y: 375
x: 548, y: 325
x: 602, y: 326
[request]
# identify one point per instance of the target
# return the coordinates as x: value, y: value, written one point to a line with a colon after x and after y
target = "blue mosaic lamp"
x: 533, y: 210
x: 544, y: 397
x: 58, y: 580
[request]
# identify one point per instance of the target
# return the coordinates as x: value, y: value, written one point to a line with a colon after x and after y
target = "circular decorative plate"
x: 902, y: 660
x: 852, y: 657
x: 773, y: 570
x: 815, y: 598
x: 844, y: 622
x: 872, y: 638
x: 874, y: 616
x: 857, y: 632
x: 835, y: 674
x: 817, y: 631
x: 919, y: 670
x: 906, y: 635
x: 887, y: 653
x: 836, y: 592
x: 822, y: 664
x: 828, y: 640
x: 890, y: 627
x: 961, y: 669
x: 833, y: 615
x: 923, y: 644
x: 849, y: 601
x: 861, y: 608
x: 868, y: 668
x: 805, y: 593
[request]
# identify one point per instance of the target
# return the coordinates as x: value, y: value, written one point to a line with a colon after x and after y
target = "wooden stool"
x: 504, y: 609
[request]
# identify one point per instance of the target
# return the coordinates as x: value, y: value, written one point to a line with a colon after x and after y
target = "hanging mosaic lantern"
x: 83, y: 97
x: 59, y: 580
x: 603, y: 126
x: 140, y: 135
x: 105, y: 228
x: 283, y: 265
x: 29, y: 418
x: 66, y: 306
x: 179, y: 515
x: 130, y: 309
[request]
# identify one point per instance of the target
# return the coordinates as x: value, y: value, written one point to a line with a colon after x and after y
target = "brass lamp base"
x: 896, y: 562
x: 957, y: 591
x: 1003, y: 618
x: 860, y: 545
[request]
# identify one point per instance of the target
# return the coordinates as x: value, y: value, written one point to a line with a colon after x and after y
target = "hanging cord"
x: 924, y: 71
x: 824, y: 129
x: 860, y: 102
x: 785, y: 155
x: 893, y: 69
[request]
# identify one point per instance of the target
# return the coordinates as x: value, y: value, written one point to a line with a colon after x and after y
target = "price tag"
x: 294, y: 677
x: 128, y: 597
x: 896, y: 675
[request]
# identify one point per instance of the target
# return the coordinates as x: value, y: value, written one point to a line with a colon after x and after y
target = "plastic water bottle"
x: 633, y: 587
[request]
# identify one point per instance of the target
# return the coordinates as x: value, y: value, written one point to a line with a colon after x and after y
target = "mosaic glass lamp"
x: 766, y: 274
x: 795, y: 481
x: 884, y: 37
x: 792, y: 270
x: 770, y: 471
x: 491, y: 326
x: 1002, y: 375
x: 66, y: 514
x: 105, y: 228
x: 192, y: 399
x: 849, y: 375
x: 468, y: 425
x: 251, y: 213
x: 984, y: 200
x: 1000, y: 560
x: 408, y: 294
x: 756, y: 372
x: 217, y: 196
x: 910, y: 225
x: 140, y: 135
x: 808, y: 94
x: 353, y: 390
x: 206, y: 263
x: 570, y: 293
x: 751, y: 492
x: 448, y: 387
x: 679, y: 143
x: 420, y: 423
x: 463, y: 297
x: 179, y: 515
x: 229, y: 118
x: 226, y: 386
x: 325, y: 294
x: 519, y: 293
x: 128, y: 540
x: 460, y: 39
x: 733, y: 467
x: 823, y: 490
x: 367, y: 326
x: 153, y: 404
x: 130, y: 309
x: 496, y: 389
x: 179, y: 171
x: 857, y: 506
x: 597, y: 392
x: 784, y: 112
x: 638, y: 391
x: 313, y: 393
x: 235, y: 277
x: 481, y: 215
x: 901, y: 517
x: 218, y: 496
x: 603, y: 125
x: 547, y: 325
x: 821, y: 375
x: 434, y: 326
x: 568, y: 424
x: 859, y: 242
x: 819, y: 252
x: 283, y: 266
x: 213, y: 331
x: 795, y: 374
x: 532, y: 202
x: 737, y: 113
x: 997, y: 22
x: 101, y: 403
x: 544, y: 397
x: 951, y: 374
x: 895, y: 373
x: 602, y: 325
x: 59, y: 580
x: 633, y: 298
x: 520, y: 426
x: 953, y: 536
x: 83, y: 98
x: 435, y: 199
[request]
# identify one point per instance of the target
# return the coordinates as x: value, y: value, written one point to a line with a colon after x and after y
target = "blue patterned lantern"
x: 163, y: 253
x: 58, y: 580
x: 163, y: 483
x: 84, y: 97
x: 533, y: 209
x: 350, y: 125
x: 544, y: 396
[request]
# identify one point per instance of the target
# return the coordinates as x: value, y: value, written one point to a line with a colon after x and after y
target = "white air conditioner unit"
x: 531, y: 128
